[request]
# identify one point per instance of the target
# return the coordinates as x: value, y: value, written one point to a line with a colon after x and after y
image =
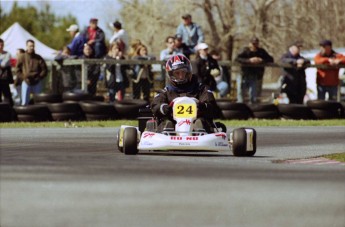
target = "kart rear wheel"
x: 239, y: 145
x: 118, y: 141
x: 130, y: 141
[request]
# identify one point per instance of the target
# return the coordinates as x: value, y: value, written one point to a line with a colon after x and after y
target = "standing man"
x: 120, y: 36
x: 95, y: 38
x: 78, y: 41
x: 294, y: 83
x: 190, y: 32
x: 31, y: 69
x: 6, y: 77
x: 252, y: 76
x: 328, y: 79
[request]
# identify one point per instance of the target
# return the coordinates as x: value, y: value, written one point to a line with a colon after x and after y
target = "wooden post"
x: 84, y: 76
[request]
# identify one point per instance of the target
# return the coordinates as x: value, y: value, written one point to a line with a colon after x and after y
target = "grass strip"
x: 340, y: 157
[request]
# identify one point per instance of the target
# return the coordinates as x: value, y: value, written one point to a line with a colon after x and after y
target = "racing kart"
x: 184, y: 137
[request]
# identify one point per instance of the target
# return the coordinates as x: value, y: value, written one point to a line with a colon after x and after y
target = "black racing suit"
x: 206, y: 106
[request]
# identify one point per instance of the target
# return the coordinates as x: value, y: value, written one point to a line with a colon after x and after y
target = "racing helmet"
x: 179, y: 70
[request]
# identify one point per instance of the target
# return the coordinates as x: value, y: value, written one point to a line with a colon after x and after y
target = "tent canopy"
x: 15, y: 37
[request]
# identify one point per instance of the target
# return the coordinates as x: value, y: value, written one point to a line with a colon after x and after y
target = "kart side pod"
x: 243, y: 141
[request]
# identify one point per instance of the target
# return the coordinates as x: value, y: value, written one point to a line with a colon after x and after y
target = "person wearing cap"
x: 96, y: 38
x: 251, y: 79
x: 294, y: 83
x: 327, y: 80
x: 77, y: 45
x: 207, y: 68
x: 120, y: 36
x: 190, y: 32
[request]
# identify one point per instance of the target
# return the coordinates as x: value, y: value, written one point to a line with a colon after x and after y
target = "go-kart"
x: 184, y: 137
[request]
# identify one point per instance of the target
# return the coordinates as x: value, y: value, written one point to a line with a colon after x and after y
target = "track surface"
x: 76, y: 177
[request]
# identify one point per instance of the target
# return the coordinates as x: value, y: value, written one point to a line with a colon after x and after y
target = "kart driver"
x: 181, y: 82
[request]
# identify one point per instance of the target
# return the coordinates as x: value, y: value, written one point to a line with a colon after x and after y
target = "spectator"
x: 183, y: 83
x: 222, y: 79
x: 93, y: 70
x: 133, y: 48
x: 294, y: 83
x: 170, y: 50
x: 207, y: 68
x: 95, y: 38
x: 328, y: 79
x: 190, y: 32
x: 67, y: 72
x: 31, y: 69
x: 77, y: 45
x: 120, y: 36
x: 6, y: 77
x: 182, y: 47
x: 115, y: 75
x: 252, y: 76
x: 143, y: 76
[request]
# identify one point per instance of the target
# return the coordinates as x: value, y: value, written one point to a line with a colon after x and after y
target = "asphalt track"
x: 76, y: 177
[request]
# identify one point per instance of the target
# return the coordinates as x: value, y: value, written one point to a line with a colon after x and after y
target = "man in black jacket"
x: 252, y: 76
x: 294, y: 83
x: 183, y: 83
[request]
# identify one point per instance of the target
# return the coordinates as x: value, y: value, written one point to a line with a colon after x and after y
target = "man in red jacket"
x: 328, y: 79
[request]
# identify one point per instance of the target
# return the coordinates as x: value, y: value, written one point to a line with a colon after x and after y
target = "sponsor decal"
x: 189, y: 138
x: 188, y: 122
x: 148, y: 135
x: 184, y: 144
x: 146, y: 143
x: 220, y: 135
x: 220, y: 144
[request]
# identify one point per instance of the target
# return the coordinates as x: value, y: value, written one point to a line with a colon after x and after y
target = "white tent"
x: 15, y: 37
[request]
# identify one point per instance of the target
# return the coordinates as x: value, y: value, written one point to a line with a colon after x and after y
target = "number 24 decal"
x: 182, y: 111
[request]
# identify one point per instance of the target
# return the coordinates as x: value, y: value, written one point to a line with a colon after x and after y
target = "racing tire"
x: 118, y: 141
x: 130, y: 146
x: 265, y: 111
x: 239, y: 145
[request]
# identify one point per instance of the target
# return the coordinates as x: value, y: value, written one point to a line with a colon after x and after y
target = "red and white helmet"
x: 181, y: 63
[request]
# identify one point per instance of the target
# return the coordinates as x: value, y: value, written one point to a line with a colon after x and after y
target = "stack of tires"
x: 296, y: 112
x: 67, y: 111
x: 233, y: 111
x: 95, y: 111
x: 129, y: 108
x: 326, y: 109
x: 265, y: 111
x: 33, y: 113
x: 7, y: 113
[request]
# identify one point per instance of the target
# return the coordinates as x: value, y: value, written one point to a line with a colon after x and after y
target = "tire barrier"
x: 99, y: 110
x: 66, y: 111
x: 76, y: 97
x: 7, y: 113
x: 136, y: 109
x: 296, y: 112
x: 33, y: 113
x: 129, y: 108
x: 326, y: 109
x: 235, y: 111
x: 44, y: 98
x: 265, y: 111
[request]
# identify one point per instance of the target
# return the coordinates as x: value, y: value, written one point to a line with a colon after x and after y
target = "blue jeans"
x: 331, y: 90
x: 118, y: 87
x: 244, y: 84
x: 28, y: 89
x: 222, y: 87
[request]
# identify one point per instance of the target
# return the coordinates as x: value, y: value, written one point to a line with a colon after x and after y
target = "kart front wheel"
x: 242, y: 144
x: 130, y: 146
